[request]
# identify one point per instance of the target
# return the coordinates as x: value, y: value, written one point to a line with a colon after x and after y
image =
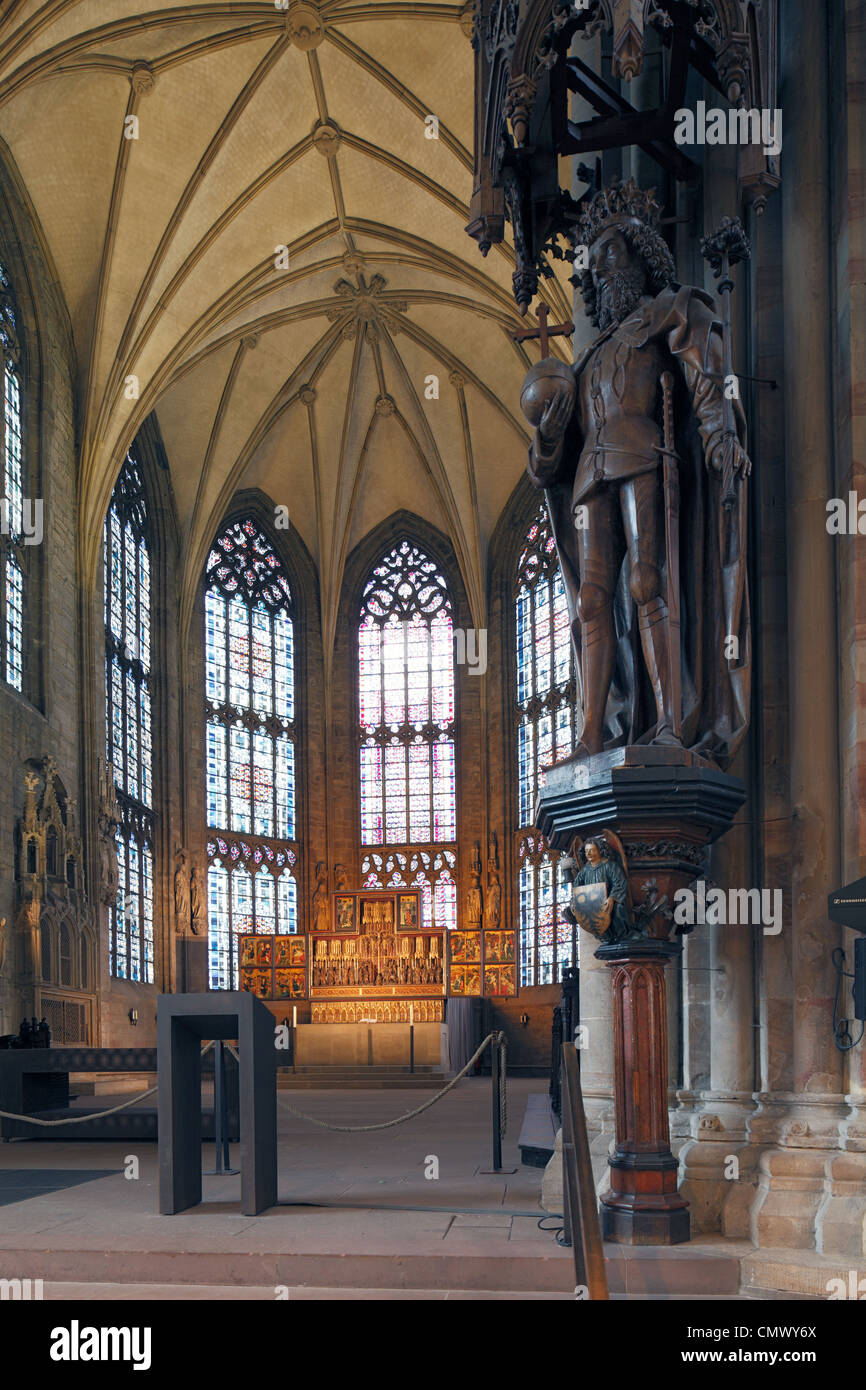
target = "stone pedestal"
x: 667, y: 806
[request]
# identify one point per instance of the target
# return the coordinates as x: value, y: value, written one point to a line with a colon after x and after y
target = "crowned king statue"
x: 640, y: 447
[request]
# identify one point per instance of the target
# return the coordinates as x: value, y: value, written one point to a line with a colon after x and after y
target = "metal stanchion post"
x: 221, y: 1138
x: 497, y: 1118
x: 495, y: 1077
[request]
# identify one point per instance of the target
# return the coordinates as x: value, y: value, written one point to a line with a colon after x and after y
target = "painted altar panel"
x: 375, y: 961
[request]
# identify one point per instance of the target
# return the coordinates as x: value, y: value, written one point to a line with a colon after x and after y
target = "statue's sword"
x: 672, y: 548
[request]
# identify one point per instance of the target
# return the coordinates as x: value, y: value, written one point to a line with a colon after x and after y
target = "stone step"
x: 347, y: 1069
x: 803, y: 1274
x: 361, y: 1083
x: 304, y: 1293
x: 638, y: 1273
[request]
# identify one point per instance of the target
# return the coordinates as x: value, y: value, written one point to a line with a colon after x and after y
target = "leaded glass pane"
x: 250, y: 704
x: 13, y: 554
x: 406, y: 714
x: 546, y: 732
x: 129, y: 725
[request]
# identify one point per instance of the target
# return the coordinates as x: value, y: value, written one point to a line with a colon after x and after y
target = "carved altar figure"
x: 181, y: 893
x: 643, y: 466
x: 321, y: 909
x: 493, y: 905
x: 474, y: 900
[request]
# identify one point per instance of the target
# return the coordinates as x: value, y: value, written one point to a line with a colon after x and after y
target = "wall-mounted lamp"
x: 133, y: 1016
x: 524, y: 1019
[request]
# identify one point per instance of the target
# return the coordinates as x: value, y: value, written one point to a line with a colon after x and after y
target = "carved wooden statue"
x: 321, y: 912
x: 493, y: 904
x: 474, y: 895
x: 640, y: 448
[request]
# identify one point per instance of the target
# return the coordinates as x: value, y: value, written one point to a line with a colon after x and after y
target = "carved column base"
x: 841, y: 1219
x: 801, y: 1138
x: 717, y: 1163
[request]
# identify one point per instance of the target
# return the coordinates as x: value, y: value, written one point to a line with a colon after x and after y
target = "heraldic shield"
x: 587, y: 904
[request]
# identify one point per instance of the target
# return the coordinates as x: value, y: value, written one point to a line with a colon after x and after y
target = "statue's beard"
x: 618, y: 295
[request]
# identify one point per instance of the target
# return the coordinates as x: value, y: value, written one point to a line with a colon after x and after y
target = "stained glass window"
x: 128, y: 722
x: 249, y: 745
x: 434, y: 874
x: 545, y: 733
x: 13, y: 553
x: 408, y: 728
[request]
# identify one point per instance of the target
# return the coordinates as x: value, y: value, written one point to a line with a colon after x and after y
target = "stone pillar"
x: 841, y: 1219
x: 720, y: 1128
x: 596, y: 1061
x: 801, y: 1128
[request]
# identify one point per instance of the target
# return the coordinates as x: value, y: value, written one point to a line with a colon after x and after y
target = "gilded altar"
x: 378, y: 951
x: 370, y: 957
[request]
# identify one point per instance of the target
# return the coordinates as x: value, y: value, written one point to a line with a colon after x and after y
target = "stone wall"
x: 45, y: 717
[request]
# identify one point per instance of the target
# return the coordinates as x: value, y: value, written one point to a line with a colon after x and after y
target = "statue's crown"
x: 622, y: 201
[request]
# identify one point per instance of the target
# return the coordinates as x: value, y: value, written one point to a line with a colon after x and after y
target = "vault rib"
x: 120, y: 168
x: 211, y: 236
x: 448, y: 500
x: 397, y: 88
x: 216, y: 427
x: 287, y: 396
x: 42, y: 64
x: 217, y: 141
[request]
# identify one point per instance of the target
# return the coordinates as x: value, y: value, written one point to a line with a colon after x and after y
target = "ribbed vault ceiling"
x: 256, y: 129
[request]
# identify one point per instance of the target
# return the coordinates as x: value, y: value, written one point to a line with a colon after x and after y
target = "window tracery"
x: 250, y: 745
x: 407, y: 730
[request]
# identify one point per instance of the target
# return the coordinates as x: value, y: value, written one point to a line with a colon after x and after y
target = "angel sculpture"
x: 600, y: 896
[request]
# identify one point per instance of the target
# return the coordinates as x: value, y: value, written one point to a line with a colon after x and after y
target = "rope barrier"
x: 95, y: 1115
x: 493, y: 1038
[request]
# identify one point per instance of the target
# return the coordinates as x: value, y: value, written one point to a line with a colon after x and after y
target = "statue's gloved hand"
x: 727, y: 449
x: 555, y: 417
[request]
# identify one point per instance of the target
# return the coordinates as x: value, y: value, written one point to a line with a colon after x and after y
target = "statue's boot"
x: 598, y: 653
x: 655, y: 640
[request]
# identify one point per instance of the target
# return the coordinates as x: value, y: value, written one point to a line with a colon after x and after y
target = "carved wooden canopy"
x: 527, y: 70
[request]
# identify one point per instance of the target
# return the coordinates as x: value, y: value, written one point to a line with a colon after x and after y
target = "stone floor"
x: 357, y: 1218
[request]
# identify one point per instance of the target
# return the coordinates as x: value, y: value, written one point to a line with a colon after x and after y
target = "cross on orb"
x: 544, y: 331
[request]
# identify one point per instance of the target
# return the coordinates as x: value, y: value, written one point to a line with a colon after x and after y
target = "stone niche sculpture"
x: 181, y: 892
x: 108, y: 820
x: 54, y: 936
x: 640, y: 449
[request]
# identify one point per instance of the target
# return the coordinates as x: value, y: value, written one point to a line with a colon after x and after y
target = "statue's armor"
x: 617, y: 406
x: 616, y: 434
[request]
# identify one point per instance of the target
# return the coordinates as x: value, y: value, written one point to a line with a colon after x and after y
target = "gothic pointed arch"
x: 253, y: 758
x: 402, y: 607
x: 128, y: 592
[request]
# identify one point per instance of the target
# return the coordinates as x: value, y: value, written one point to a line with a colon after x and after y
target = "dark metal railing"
x: 582, y: 1227
x: 555, y: 1088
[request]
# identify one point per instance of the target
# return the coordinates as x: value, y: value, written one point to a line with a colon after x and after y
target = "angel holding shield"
x: 611, y: 920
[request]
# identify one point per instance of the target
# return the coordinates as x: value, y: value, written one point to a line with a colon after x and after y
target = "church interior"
x: 432, y: 445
